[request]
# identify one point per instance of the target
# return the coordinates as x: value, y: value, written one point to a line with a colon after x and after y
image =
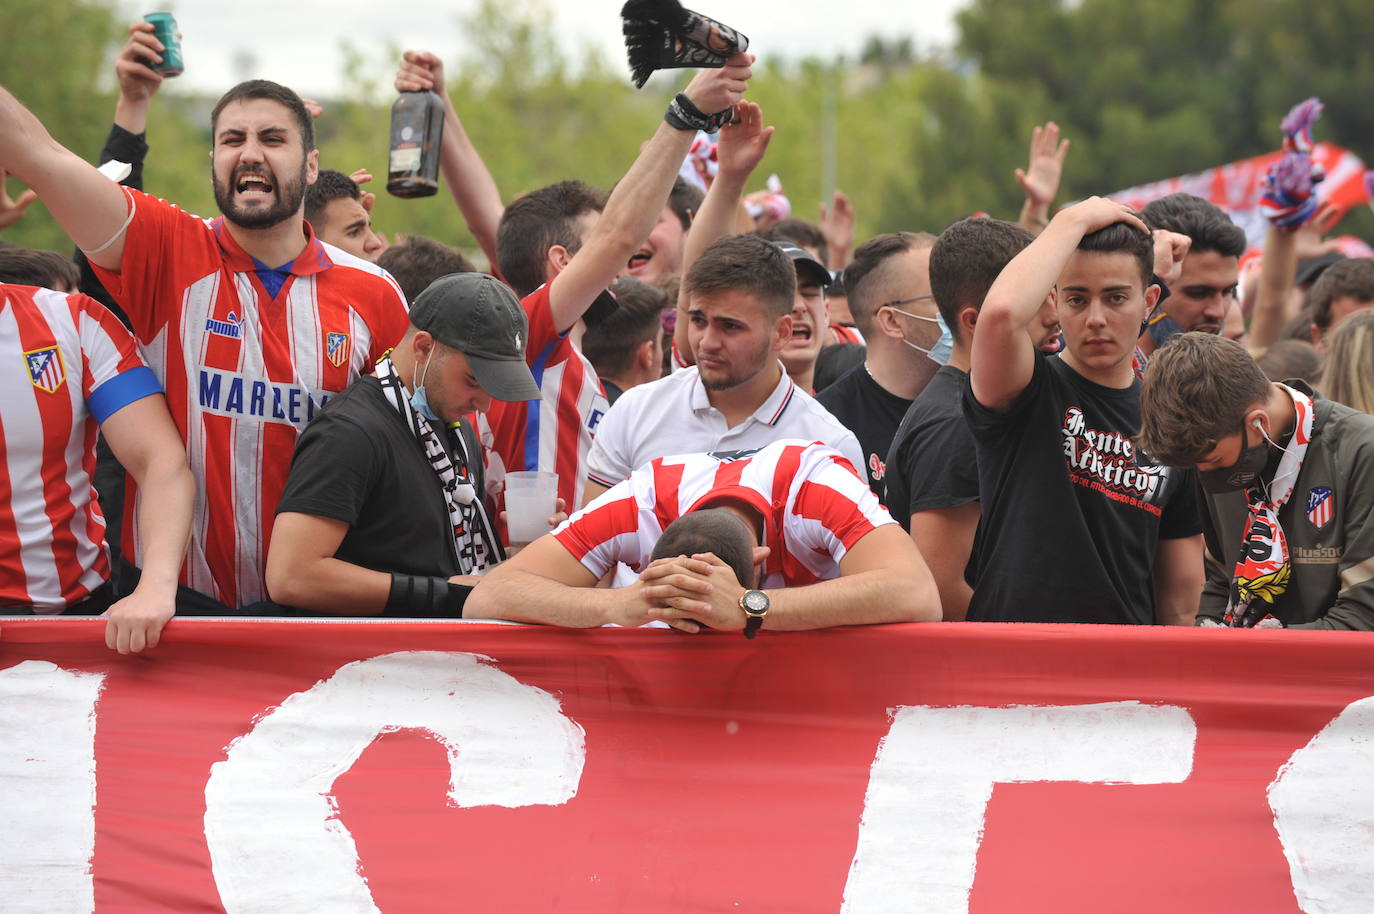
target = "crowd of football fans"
x: 1090, y: 414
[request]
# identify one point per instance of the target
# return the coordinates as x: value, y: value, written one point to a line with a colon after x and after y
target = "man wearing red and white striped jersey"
x: 249, y: 321
x: 67, y: 366
x: 824, y: 551
x: 559, y: 254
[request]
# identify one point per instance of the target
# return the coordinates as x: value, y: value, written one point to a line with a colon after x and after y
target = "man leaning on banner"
x: 784, y: 537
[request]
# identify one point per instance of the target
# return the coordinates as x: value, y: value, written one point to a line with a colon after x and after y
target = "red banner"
x: 412, y: 767
x: 1238, y: 186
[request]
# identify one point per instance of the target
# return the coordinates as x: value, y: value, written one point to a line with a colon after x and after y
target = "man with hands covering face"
x: 797, y: 541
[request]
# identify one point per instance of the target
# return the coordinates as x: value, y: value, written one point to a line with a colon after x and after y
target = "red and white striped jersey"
x: 815, y: 507
x: 553, y: 433
x: 66, y: 364
x: 842, y: 333
x: 244, y: 371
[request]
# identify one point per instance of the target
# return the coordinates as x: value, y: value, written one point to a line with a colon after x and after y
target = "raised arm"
x: 147, y: 444
x: 90, y: 207
x: 1040, y: 179
x: 1003, y: 357
x: 1283, y: 248
x: 466, y: 174
x: 638, y: 199
x: 138, y: 81
x: 837, y: 225
x: 742, y: 146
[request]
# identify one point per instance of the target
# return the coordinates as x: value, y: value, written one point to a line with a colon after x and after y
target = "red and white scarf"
x: 1261, y: 574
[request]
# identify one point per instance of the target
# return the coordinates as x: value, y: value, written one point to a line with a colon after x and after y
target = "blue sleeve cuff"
x: 121, y: 390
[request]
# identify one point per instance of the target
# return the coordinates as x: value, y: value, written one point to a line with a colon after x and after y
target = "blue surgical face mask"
x: 944, y: 346
x: 419, y: 400
x: 1164, y: 329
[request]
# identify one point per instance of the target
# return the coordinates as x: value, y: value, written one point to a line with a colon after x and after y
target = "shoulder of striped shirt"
x: 345, y: 260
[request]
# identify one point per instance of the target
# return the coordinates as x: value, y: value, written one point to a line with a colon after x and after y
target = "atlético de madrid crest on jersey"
x: 1321, y: 506
x: 336, y: 348
x: 45, y: 368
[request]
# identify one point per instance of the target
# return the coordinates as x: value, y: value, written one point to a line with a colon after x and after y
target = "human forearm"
x: 715, y: 220
x: 167, y: 492
x: 132, y: 113
x: 870, y: 597
x: 522, y: 596
x: 1035, y: 216
x: 470, y: 182
x: 328, y: 585
x: 1278, y: 269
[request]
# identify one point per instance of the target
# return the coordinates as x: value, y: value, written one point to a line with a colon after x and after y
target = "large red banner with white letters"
x: 290, y: 766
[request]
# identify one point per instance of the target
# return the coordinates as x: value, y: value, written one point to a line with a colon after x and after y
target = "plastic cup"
x: 531, y: 498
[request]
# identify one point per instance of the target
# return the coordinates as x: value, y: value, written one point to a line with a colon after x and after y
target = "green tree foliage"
x: 1146, y: 89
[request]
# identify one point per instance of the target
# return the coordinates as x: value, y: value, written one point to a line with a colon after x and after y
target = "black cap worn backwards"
x: 480, y: 316
x: 805, y: 264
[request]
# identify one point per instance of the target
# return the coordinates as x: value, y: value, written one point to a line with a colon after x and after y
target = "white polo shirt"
x: 673, y: 416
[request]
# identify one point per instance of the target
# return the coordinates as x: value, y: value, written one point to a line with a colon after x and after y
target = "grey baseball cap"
x: 805, y: 264
x: 480, y: 316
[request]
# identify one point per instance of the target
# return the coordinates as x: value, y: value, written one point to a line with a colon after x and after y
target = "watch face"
x: 755, y: 602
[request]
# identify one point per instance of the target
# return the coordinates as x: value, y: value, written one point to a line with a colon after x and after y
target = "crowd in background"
x: 756, y: 422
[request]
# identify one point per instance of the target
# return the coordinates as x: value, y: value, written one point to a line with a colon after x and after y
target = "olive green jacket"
x: 1331, y: 583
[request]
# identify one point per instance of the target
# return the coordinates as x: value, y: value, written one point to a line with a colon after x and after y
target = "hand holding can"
x: 165, y: 29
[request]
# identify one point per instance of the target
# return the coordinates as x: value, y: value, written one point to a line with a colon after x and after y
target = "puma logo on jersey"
x: 231, y: 328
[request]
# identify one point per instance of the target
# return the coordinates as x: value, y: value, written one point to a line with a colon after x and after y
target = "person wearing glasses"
x: 888, y: 284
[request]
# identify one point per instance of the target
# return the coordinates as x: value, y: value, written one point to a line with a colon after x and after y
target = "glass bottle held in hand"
x: 417, y: 125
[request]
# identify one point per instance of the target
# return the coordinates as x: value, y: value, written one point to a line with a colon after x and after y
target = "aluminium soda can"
x: 165, y: 30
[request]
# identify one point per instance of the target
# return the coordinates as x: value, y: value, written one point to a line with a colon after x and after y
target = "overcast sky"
x: 296, y: 42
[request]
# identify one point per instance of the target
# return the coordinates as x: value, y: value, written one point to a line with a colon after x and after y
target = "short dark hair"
x: 745, y: 263
x: 685, y: 202
x: 715, y: 530
x: 535, y: 222
x: 1353, y: 277
x: 967, y: 259
x: 1202, y: 221
x: 31, y: 267
x: 418, y: 261
x: 330, y: 185
x: 276, y: 92
x: 611, y: 344
x: 800, y: 232
x: 863, y: 276
x: 1121, y: 238
x: 1196, y: 391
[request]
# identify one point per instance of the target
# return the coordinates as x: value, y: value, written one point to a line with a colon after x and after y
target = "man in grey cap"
x: 383, y: 509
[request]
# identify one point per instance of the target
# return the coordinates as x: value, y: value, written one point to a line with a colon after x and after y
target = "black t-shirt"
x: 868, y: 410
x: 359, y: 463
x: 932, y: 463
x: 1070, y: 517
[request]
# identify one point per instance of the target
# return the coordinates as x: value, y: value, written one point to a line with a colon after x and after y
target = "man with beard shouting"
x: 247, y: 320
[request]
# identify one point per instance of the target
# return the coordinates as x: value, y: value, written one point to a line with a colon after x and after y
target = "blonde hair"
x: 1349, y: 374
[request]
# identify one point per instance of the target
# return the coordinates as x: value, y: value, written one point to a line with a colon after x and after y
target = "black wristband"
x: 425, y: 597
x: 683, y: 115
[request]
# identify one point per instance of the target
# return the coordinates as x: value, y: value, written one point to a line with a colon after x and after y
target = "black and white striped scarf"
x: 474, y: 542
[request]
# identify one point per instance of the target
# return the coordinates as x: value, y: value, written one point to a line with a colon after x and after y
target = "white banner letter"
x: 276, y: 844
x: 47, y: 806
x: 934, y: 772
x: 1323, y: 803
